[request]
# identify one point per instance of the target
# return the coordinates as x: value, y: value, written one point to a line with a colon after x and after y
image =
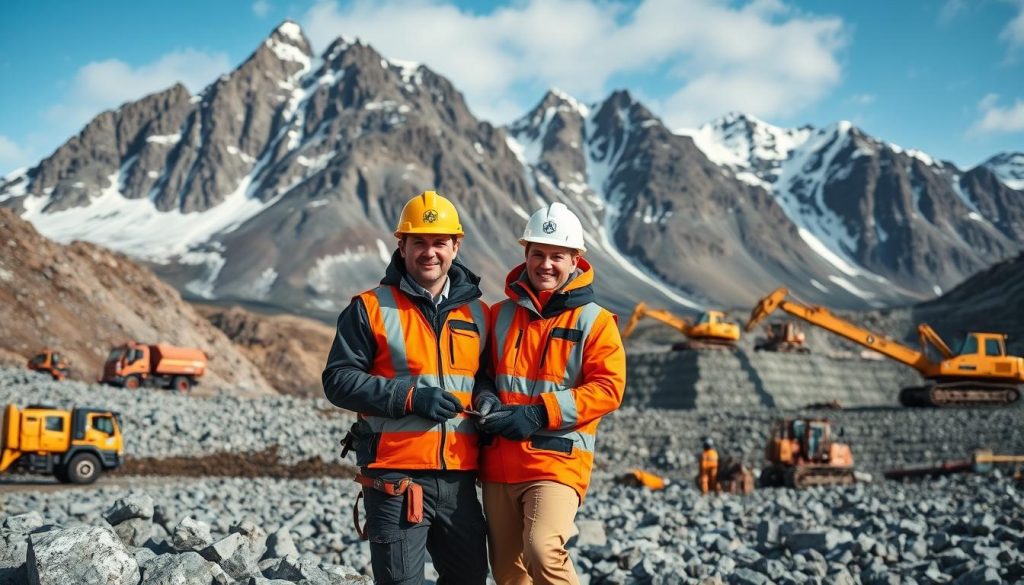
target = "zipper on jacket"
x: 440, y: 381
x: 451, y: 346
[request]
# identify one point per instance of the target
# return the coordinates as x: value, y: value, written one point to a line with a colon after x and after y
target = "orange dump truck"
x: 74, y: 445
x: 133, y: 364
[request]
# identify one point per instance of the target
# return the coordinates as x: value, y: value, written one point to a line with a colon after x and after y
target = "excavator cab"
x: 712, y: 326
x: 984, y: 355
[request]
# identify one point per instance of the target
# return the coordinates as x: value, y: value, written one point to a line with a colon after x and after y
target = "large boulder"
x: 84, y: 555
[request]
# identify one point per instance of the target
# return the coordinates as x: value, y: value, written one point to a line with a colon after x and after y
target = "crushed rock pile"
x: 161, y: 425
x: 960, y: 529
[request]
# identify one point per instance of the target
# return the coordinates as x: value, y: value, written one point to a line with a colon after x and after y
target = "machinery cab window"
x: 134, y: 355
x: 115, y: 354
x: 54, y: 423
x: 39, y: 360
x: 969, y: 346
x: 103, y: 424
x: 994, y: 347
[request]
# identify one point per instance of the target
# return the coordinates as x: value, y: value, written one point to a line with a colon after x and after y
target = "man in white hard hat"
x: 559, y: 366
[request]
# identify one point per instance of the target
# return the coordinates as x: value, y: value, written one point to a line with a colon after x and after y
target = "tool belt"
x: 412, y: 491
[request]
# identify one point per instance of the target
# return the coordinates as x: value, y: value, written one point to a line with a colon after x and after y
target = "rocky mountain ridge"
x: 280, y: 183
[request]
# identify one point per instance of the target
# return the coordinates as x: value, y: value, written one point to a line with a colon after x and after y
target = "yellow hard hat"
x: 429, y: 213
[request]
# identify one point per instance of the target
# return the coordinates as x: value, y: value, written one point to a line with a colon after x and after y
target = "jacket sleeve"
x: 346, y: 378
x: 603, y: 380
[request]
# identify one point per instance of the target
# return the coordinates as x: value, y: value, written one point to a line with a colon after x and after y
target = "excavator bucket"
x: 765, y: 307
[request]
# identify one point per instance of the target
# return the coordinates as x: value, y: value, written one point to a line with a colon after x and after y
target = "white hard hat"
x: 555, y: 225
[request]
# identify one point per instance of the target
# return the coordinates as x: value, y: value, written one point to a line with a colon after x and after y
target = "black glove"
x: 486, y: 403
x: 516, y: 422
x: 434, y: 403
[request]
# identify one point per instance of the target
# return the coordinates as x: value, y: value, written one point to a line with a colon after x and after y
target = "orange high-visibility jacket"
x: 390, y: 339
x: 569, y: 357
x: 708, y: 460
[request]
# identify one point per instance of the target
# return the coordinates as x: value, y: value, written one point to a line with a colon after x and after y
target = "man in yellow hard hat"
x: 406, y: 359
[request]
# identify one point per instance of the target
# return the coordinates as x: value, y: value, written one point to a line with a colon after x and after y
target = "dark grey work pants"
x: 452, y: 530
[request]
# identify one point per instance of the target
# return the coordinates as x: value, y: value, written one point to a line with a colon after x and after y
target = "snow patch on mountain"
x: 1009, y: 168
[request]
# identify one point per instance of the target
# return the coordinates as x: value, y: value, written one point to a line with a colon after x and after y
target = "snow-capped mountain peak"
x: 1009, y: 167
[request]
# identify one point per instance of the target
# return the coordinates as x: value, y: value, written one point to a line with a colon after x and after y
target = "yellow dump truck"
x: 166, y: 366
x: 74, y: 446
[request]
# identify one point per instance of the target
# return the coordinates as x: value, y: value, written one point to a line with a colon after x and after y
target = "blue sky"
x: 943, y: 76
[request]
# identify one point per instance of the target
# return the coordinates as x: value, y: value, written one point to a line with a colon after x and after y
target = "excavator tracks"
x: 962, y: 394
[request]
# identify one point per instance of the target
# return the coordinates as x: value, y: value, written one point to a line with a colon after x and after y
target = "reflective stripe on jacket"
x: 567, y: 356
x: 394, y: 337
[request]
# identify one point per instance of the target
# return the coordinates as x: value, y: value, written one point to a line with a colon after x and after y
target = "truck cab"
x: 74, y: 446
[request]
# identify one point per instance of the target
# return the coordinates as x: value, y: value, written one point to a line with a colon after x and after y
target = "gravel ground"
x: 966, y: 529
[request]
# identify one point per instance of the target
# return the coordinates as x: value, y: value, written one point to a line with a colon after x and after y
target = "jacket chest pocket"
x: 556, y: 361
x: 463, y: 346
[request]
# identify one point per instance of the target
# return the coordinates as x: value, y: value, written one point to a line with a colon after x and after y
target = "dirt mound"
x: 82, y: 299
x: 264, y: 463
x: 290, y: 351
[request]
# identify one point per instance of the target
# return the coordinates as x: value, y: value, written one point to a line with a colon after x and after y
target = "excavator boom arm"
x: 641, y: 311
x: 823, y: 318
x: 930, y: 337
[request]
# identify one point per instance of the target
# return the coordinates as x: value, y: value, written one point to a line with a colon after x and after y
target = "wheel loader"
x: 801, y: 453
x: 785, y: 337
x: 709, y: 331
x: 50, y: 362
x: 74, y: 446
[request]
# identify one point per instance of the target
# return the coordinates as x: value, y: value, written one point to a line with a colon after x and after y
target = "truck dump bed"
x: 172, y: 360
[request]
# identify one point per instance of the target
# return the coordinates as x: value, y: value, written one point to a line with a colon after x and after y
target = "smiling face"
x: 428, y: 258
x: 549, y: 267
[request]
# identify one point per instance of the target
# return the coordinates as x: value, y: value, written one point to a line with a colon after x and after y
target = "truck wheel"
x: 181, y: 384
x: 132, y: 382
x: 83, y: 468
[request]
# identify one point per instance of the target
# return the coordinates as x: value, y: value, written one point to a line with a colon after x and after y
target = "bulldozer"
x: 52, y: 363
x: 801, y: 453
x: 74, y: 446
x: 979, y: 374
x: 709, y: 331
x: 786, y: 337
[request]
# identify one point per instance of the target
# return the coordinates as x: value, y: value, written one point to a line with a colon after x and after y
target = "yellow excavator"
x: 709, y: 331
x: 979, y: 374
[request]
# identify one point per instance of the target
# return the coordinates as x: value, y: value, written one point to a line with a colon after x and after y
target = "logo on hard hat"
x: 429, y: 216
x: 549, y: 227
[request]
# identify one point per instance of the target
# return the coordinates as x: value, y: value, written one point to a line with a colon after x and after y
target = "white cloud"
x: 763, y: 58
x: 261, y: 8
x: 952, y: 9
x: 862, y: 99
x: 1013, y: 32
x: 996, y: 119
x: 11, y: 155
x: 101, y: 85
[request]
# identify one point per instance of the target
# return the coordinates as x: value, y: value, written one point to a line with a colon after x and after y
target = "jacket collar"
x: 463, y: 284
x: 578, y: 291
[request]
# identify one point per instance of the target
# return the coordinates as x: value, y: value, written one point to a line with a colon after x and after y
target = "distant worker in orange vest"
x: 559, y: 367
x: 406, y: 358
x: 708, y: 478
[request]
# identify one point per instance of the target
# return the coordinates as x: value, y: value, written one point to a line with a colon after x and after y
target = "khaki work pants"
x: 528, y: 525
